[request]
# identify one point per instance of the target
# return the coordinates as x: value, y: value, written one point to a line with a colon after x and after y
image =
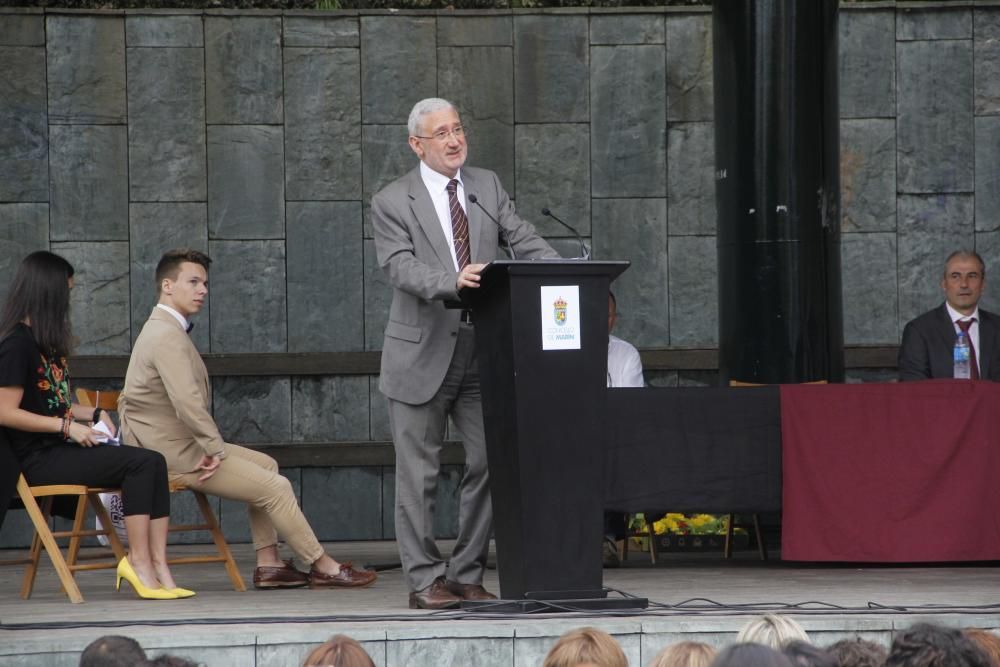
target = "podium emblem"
x: 559, y: 311
x: 559, y: 314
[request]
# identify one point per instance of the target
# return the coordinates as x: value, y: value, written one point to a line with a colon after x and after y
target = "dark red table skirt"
x: 891, y: 472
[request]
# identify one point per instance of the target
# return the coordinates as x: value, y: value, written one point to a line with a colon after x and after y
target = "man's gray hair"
x: 965, y: 254
x: 424, y: 107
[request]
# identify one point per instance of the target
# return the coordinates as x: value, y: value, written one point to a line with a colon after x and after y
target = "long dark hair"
x: 40, y: 293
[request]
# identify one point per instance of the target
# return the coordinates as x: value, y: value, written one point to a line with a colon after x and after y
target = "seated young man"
x: 165, y: 406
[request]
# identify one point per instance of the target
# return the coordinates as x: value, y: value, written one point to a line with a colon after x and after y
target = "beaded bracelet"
x: 65, y: 427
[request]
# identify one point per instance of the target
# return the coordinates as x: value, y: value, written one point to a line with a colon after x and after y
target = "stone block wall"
x: 260, y: 138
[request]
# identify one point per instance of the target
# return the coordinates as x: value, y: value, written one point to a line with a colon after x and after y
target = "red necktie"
x: 459, y: 225
x: 973, y: 363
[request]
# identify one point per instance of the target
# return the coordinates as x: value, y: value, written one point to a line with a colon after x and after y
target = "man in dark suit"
x: 431, y: 243
x: 929, y: 340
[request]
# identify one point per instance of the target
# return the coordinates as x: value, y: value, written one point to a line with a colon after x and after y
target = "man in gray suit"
x: 431, y: 243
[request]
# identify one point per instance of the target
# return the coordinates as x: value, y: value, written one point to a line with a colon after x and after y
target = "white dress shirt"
x: 624, y: 364
x: 180, y: 318
x: 973, y: 330
x: 437, y: 187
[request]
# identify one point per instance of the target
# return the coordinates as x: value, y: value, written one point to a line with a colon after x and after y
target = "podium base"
x: 556, y: 602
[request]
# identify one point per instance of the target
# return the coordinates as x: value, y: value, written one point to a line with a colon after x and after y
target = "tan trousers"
x: 251, y: 477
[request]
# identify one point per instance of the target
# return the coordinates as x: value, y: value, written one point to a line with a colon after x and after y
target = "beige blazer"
x: 165, y: 404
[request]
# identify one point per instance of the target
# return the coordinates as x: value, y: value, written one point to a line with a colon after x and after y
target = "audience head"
x: 858, y: 653
x: 750, y: 654
x: 926, y: 645
x: 39, y: 295
x: 987, y: 642
x: 112, y: 651
x: 684, y: 654
x: 963, y: 280
x: 338, y: 651
x: 166, y: 660
x: 804, y: 654
x: 586, y: 647
x: 772, y: 630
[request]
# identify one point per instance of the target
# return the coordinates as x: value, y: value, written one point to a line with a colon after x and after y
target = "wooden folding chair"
x: 66, y: 567
x: 209, y: 523
x: 108, y: 400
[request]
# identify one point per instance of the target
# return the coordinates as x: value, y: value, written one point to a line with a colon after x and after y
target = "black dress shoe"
x: 435, y: 596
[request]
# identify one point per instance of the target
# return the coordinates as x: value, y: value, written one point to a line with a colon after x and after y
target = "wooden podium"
x: 544, y: 412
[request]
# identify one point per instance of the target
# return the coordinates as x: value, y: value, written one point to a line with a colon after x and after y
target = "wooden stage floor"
x: 698, y: 596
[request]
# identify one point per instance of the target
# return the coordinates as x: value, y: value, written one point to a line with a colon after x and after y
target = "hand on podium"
x: 469, y: 276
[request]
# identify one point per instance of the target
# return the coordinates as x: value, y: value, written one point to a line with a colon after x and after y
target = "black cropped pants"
x: 141, y: 474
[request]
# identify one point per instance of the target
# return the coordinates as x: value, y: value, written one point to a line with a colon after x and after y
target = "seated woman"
x: 46, y: 431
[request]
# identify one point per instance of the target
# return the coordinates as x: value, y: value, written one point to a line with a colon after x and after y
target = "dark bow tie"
x: 189, y: 327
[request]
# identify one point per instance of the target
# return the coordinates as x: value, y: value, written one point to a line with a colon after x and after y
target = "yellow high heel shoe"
x: 181, y: 592
x: 126, y: 572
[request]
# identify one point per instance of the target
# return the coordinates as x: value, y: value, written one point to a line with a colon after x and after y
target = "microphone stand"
x: 583, y: 246
x: 503, y: 233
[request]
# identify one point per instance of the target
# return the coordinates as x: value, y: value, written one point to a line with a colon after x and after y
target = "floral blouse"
x: 45, y: 383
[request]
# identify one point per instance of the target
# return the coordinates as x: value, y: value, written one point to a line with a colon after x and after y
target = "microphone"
x: 583, y: 246
x: 475, y: 200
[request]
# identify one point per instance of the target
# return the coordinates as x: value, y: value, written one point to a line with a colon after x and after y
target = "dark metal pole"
x: 778, y: 190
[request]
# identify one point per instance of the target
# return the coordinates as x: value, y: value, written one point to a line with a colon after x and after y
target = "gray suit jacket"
x: 413, y: 251
x: 929, y: 341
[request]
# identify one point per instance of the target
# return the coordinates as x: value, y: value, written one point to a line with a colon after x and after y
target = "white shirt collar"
x: 955, y: 315
x: 435, y: 181
x: 180, y: 318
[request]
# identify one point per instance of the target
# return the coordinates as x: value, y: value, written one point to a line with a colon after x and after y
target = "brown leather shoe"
x: 348, y: 577
x: 468, y: 591
x: 286, y: 576
x: 435, y: 596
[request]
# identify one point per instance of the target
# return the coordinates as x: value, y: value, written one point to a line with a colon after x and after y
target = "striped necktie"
x: 459, y: 225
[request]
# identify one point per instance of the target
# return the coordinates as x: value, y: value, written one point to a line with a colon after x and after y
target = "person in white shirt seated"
x: 624, y: 370
x: 624, y: 364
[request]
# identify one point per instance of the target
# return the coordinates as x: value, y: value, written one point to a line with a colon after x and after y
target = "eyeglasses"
x: 443, y: 135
